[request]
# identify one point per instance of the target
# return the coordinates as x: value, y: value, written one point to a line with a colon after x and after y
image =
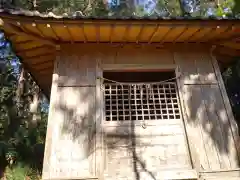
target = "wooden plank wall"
x: 136, y: 57
x: 207, y: 120
x: 136, y: 153
x: 71, y: 144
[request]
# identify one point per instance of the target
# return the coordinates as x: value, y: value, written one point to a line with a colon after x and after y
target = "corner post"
x: 50, y: 123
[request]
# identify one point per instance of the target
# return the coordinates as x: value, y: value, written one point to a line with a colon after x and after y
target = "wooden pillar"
x: 70, y: 142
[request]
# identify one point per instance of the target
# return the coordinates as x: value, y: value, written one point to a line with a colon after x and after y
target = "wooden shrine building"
x: 132, y: 99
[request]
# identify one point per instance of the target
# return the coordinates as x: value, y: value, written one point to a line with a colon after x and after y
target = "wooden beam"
x: 40, y: 59
x: 43, y: 66
x: 18, y: 39
x: 228, y: 39
x: 179, y: 35
x: 226, y: 51
x: 70, y: 35
x: 165, y: 35
x: 97, y: 33
x: 46, y: 71
x: 151, y: 36
x: 21, y: 42
x: 28, y: 45
x: 36, y: 52
x: 215, y: 33
x: 111, y: 33
x: 221, y: 175
x: 17, y: 30
x: 139, y: 34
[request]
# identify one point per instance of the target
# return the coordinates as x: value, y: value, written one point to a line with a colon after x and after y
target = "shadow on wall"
x: 206, y: 110
x: 76, y: 108
x: 206, y: 113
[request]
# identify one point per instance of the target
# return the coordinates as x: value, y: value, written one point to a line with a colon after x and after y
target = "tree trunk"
x: 34, y: 108
x: 21, y: 82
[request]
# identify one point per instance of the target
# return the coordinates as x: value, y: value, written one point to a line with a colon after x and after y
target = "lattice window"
x: 141, y: 102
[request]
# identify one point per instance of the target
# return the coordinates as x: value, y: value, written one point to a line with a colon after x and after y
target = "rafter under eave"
x: 14, y: 29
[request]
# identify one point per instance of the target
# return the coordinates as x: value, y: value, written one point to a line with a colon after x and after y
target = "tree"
x: 23, y: 113
x: 23, y: 108
x: 231, y: 75
x: 131, y: 8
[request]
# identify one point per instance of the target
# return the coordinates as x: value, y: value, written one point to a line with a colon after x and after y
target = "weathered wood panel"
x: 146, y: 151
x: 195, y: 68
x: 143, y: 55
x: 50, y: 125
x: 221, y: 175
x: 70, y: 143
x: 73, y: 134
x: 115, y: 56
x: 77, y: 66
x: 232, y: 121
x: 205, y: 109
x: 208, y: 126
x: 132, y: 151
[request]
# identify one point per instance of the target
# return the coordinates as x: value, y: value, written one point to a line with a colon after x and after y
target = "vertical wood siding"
x: 131, y: 151
x: 208, y: 124
x: 77, y: 67
x: 73, y: 150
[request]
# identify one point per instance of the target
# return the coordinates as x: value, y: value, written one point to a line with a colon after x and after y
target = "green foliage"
x: 22, y: 171
x: 231, y: 77
x: 130, y: 8
x: 225, y: 8
x: 21, y: 141
x: 140, y: 11
x: 174, y: 8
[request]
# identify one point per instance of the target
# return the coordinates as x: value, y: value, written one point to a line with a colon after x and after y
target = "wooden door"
x: 143, y: 131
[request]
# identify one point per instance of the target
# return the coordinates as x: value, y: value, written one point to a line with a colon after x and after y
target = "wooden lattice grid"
x: 141, y: 101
